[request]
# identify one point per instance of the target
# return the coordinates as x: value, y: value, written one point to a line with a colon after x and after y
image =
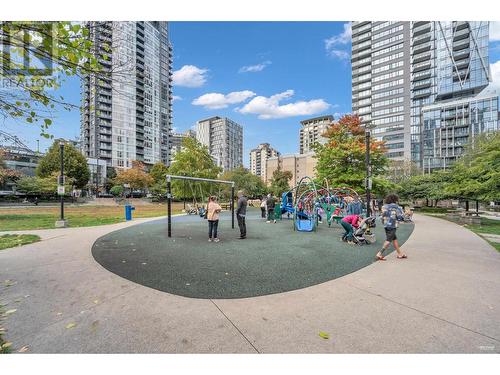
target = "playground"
x: 273, y: 259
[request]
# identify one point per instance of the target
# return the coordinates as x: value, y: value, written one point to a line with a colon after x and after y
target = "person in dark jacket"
x: 241, y: 212
x: 271, y: 204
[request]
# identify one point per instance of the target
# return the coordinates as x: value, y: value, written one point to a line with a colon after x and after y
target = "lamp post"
x: 61, y: 223
x: 368, y: 181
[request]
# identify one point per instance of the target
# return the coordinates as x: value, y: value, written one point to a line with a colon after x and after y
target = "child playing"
x: 213, y: 210
x: 349, y: 223
x: 391, y: 213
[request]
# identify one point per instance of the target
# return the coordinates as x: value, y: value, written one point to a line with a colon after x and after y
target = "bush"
x: 116, y: 190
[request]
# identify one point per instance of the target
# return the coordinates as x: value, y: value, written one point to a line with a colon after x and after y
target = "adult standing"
x: 241, y: 212
x: 213, y: 210
x: 271, y: 204
x: 263, y: 207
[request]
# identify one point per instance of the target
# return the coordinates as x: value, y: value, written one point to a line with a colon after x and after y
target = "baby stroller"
x: 363, y: 235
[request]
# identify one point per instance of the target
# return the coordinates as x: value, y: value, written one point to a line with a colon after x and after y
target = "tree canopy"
x: 476, y: 175
x: 75, y: 164
x: 252, y: 185
x: 280, y: 182
x: 136, y: 177
x: 193, y: 160
x: 341, y: 160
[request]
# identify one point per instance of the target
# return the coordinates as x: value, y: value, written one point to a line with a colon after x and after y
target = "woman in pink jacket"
x: 349, y: 223
x: 213, y: 210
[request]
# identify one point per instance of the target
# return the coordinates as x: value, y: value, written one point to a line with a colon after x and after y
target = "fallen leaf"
x: 11, y: 311
x: 23, y: 349
x: 6, y: 345
x: 96, y: 301
x: 17, y: 300
x: 324, y: 335
x: 59, y: 314
x: 71, y: 325
x: 94, y: 325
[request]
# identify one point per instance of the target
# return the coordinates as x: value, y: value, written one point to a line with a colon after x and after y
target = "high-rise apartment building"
x: 311, y: 132
x: 127, y: 110
x: 258, y: 159
x: 421, y: 87
x: 450, y: 103
x: 224, y: 139
x: 381, y: 82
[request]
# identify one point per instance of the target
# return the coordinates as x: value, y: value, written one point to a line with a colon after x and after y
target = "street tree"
x: 75, y: 164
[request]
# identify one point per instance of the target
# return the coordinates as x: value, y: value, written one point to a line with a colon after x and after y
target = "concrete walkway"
x: 443, y: 299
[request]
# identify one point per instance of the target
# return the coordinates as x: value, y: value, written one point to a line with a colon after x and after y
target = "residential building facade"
x: 258, y: 159
x: 422, y: 87
x: 300, y: 165
x: 381, y: 82
x: 312, y: 131
x: 127, y: 111
x: 224, y: 139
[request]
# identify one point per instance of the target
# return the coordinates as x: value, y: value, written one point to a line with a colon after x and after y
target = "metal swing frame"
x: 169, y: 196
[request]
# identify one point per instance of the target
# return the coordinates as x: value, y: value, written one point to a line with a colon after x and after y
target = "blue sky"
x: 267, y: 76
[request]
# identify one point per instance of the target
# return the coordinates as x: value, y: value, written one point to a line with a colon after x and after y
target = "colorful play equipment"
x: 307, y: 203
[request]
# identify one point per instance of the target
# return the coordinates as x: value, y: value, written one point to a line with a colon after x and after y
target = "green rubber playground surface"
x: 273, y: 258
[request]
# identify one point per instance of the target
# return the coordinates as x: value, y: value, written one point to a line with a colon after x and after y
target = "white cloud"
x: 190, y: 76
x: 215, y: 100
x: 176, y: 97
x: 269, y: 107
x: 495, y: 76
x: 494, y: 31
x: 334, y: 45
x: 254, y: 68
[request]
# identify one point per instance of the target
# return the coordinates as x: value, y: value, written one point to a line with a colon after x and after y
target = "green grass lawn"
x: 27, y: 218
x: 487, y: 226
x: 13, y: 240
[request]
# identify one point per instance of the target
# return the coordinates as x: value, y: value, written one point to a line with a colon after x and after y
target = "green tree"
x: 252, y: 185
x: 136, y: 177
x: 158, y: 173
x: 431, y: 187
x: 193, y: 160
x: 43, y: 185
x: 110, y: 176
x: 341, y: 160
x: 280, y: 182
x: 476, y: 175
x: 75, y: 164
x: 69, y: 49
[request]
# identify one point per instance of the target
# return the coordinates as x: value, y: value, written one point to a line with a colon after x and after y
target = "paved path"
x: 443, y: 299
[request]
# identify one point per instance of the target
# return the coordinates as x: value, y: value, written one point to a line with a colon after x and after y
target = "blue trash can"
x: 128, y: 212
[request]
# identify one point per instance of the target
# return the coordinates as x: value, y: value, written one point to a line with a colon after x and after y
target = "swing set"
x: 194, y: 179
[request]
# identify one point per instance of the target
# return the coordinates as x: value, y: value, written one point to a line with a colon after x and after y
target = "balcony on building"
x: 421, y: 47
x: 421, y: 27
x: 461, y: 44
x: 421, y: 66
x: 421, y: 39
